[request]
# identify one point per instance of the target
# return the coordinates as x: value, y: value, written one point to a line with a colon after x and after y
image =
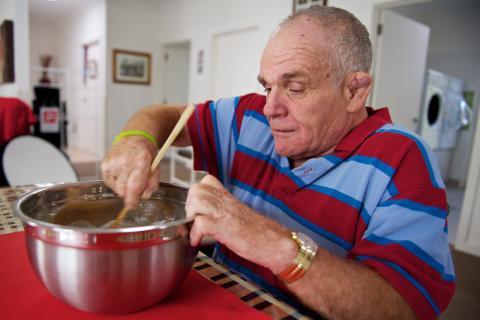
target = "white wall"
x: 131, y: 25
x: 194, y: 22
x: 147, y: 27
x: 43, y: 40
x: 17, y: 10
x: 364, y: 9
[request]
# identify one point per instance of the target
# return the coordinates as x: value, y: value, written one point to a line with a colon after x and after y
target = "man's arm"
x: 335, y: 287
x: 159, y: 122
x: 126, y: 168
x: 339, y: 288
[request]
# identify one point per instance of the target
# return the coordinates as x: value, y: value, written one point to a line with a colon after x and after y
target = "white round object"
x: 31, y: 160
x: 433, y: 108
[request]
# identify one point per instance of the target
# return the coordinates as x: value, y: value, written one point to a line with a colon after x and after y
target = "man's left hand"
x: 235, y: 225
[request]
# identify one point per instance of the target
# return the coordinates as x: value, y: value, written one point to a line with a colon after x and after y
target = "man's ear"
x: 356, y: 90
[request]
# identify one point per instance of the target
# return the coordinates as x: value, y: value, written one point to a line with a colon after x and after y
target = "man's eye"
x: 267, y: 90
x: 296, y: 90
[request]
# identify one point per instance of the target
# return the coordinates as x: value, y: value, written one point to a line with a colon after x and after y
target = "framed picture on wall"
x: 305, y: 4
x: 7, y: 71
x: 131, y: 67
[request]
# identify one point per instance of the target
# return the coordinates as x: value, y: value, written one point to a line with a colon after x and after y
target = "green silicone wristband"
x: 127, y: 133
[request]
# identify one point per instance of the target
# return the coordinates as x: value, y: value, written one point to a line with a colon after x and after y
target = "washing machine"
x: 444, y: 112
x: 457, y: 114
x: 436, y: 87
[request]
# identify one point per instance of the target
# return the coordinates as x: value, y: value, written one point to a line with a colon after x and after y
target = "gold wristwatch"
x: 307, y: 248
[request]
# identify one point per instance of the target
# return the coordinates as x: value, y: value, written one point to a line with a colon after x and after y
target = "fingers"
x: 107, y: 174
x: 135, y: 186
x: 200, y: 200
x: 194, y: 207
x: 211, y: 181
x: 152, y: 186
x: 126, y: 170
x: 203, y: 203
x: 120, y: 183
x: 202, y: 226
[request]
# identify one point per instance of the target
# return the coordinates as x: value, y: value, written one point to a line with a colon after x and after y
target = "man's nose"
x: 275, y: 105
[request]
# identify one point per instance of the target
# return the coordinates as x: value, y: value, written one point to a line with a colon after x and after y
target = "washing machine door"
x: 432, y: 113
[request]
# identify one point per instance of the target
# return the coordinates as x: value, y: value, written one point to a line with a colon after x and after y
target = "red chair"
x: 16, y: 117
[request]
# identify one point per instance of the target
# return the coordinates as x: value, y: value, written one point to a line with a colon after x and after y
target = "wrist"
x: 306, y: 251
x: 139, y: 134
x: 289, y: 251
x: 136, y: 144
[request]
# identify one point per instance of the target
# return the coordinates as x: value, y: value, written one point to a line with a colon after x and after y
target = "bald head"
x: 345, y: 39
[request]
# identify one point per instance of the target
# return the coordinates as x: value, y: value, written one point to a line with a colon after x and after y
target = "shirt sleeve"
x: 406, y: 241
x: 213, y: 131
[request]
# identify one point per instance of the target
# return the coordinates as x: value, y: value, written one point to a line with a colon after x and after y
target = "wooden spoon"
x: 161, y: 153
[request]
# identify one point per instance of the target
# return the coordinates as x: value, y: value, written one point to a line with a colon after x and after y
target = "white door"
x: 176, y: 75
x: 235, y: 62
x: 90, y: 104
x: 175, y: 87
x: 468, y: 232
x: 84, y: 104
x: 400, y: 64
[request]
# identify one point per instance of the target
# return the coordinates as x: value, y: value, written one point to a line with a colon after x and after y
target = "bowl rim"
x: 59, y: 228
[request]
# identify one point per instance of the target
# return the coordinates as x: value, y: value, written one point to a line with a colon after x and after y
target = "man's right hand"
x: 126, y: 169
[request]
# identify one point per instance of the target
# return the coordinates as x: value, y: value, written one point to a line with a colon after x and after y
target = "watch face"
x: 307, y: 241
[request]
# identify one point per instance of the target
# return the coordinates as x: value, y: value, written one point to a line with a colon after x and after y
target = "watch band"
x: 306, y: 252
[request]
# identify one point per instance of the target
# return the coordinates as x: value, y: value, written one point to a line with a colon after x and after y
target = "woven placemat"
x: 8, y: 222
x: 247, y: 291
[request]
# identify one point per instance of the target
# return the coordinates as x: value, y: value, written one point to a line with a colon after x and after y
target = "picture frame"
x: 131, y: 67
x: 305, y: 4
x: 7, y: 63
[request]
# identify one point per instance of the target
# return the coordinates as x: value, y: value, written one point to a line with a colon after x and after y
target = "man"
x: 364, y: 199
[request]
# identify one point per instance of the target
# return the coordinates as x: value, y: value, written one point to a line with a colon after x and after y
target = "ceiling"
x: 50, y: 10
x: 442, y: 5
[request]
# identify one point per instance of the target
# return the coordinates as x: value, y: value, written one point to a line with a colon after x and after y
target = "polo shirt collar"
x: 375, y: 120
x: 314, y: 168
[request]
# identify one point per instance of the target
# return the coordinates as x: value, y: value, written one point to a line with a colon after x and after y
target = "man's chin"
x: 284, y: 152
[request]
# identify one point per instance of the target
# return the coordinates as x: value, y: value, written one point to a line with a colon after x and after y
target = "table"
x: 246, y: 291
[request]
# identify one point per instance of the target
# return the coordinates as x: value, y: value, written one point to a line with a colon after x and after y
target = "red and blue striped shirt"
x: 378, y: 198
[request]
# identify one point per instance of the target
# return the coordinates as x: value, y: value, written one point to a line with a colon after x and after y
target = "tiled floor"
x: 465, y: 304
x: 455, y: 200
x: 466, y: 301
x: 86, y: 164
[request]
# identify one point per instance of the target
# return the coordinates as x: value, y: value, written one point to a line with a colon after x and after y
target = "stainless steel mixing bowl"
x: 106, y: 270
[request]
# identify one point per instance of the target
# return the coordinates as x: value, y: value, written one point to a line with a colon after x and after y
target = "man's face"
x: 305, y: 107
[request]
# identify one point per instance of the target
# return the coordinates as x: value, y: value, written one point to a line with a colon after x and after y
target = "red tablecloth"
x: 22, y: 296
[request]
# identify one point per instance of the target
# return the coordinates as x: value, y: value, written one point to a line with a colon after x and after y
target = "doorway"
x: 176, y: 91
x: 234, y: 60
x: 450, y: 50
x: 176, y: 73
x: 76, y: 48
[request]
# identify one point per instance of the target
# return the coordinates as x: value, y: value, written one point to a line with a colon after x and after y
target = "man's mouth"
x: 282, y: 132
